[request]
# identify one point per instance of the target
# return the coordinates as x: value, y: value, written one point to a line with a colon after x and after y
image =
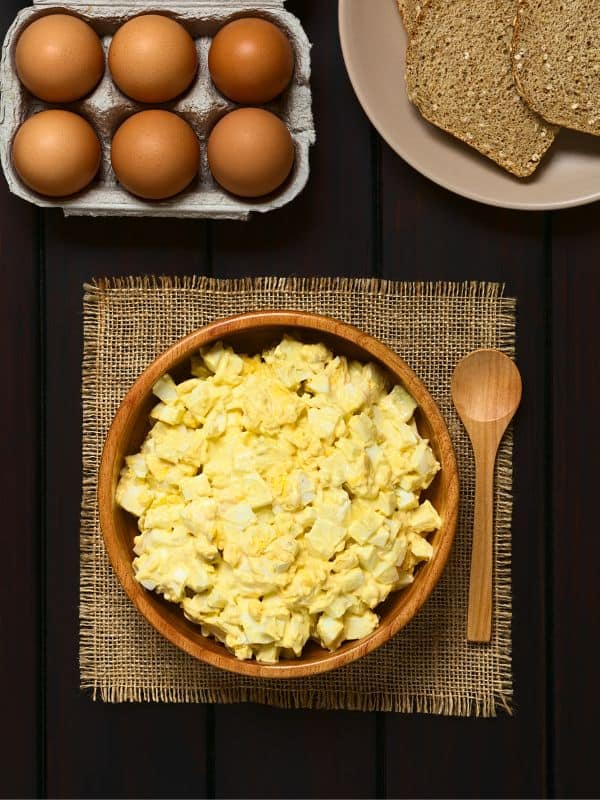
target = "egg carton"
x: 202, y: 106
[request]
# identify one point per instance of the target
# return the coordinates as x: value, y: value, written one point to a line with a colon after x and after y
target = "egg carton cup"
x: 202, y: 106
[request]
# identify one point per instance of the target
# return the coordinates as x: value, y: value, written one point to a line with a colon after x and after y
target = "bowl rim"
x: 219, y: 329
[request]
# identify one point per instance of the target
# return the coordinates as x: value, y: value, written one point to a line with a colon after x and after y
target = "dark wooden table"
x: 364, y: 212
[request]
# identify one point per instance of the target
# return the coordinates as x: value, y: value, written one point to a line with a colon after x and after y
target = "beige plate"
x: 374, y: 44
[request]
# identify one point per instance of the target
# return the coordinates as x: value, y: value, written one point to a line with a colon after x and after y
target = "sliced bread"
x: 458, y: 74
x: 556, y: 61
x: 409, y: 10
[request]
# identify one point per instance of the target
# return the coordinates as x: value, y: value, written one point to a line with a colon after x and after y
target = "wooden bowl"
x: 250, y: 333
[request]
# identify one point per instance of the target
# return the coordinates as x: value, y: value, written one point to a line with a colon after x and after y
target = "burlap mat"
x: 427, y: 667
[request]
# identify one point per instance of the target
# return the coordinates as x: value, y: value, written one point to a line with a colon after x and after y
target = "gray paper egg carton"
x: 202, y: 106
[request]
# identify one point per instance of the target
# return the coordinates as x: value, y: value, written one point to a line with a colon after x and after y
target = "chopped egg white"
x: 278, y: 497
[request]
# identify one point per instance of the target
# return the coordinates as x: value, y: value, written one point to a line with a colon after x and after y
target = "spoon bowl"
x: 486, y: 386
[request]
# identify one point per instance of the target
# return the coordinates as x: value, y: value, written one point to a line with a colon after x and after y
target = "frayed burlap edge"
x: 465, y: 289
x: 320, y: 701
x: 287, y: 696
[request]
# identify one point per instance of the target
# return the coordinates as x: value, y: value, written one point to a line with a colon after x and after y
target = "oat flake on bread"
x: 556, y: 61
x: 458, y: 74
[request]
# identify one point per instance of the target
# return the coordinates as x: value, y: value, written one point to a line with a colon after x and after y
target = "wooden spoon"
x: 486, y: 390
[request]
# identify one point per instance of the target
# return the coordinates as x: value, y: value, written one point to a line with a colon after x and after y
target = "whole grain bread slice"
x: 556, y: 61
x: 458, y: 74
x: 409, y: 10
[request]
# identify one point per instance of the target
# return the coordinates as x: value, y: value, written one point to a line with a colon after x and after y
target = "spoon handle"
x: 479, y: 620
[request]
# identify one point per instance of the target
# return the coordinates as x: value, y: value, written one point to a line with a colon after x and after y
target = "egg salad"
x: 278, y: 497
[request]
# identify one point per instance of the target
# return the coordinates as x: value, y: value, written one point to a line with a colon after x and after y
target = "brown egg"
x: 251, y: 60
x: 152, y: 58
x: 155, y: 154
x: 250, y: 152
x: 59, y: 58
x: 56, y: 153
